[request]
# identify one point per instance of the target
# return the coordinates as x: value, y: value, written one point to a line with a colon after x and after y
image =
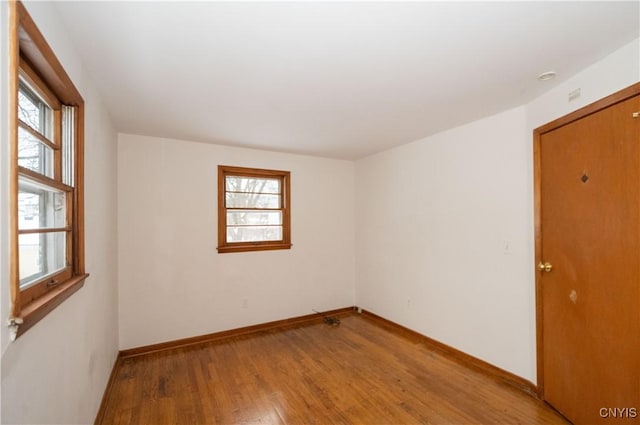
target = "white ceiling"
x: 333, y: 79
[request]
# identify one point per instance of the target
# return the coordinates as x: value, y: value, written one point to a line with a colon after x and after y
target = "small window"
x: 47, y: 255
x: 253, y: 209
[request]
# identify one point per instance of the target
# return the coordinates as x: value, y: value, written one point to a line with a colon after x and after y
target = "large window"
x: 47, y: 256
x: 253, y: 209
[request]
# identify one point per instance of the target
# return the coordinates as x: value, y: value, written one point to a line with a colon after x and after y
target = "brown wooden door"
x: 589, y: 303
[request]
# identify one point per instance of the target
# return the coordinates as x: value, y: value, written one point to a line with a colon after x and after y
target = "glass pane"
x: 253, y: 217
x: 251, y: 184
x: 33, y: 110
x: 34, y: 155
x: 252, y: 200
x: 41, y: 254
x: 254, y: 233
x: 68, y: 148
x: 40, y: 207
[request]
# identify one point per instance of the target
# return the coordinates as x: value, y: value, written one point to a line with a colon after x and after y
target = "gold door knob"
x: 545, y: 267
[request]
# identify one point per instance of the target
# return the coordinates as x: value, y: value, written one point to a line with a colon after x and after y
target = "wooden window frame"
x: 285, y: 202
x: 31, y: 58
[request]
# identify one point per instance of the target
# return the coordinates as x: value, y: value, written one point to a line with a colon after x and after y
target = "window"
x: 253, y: 209
x: 46, y: 114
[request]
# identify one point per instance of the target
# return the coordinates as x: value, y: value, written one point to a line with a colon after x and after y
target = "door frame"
x: 592, y: 108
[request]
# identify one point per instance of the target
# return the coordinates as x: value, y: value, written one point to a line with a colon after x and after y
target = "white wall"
x: 174, y: 284
x: 444, y: 226
x: 57, y: 371
x: 442, y: 237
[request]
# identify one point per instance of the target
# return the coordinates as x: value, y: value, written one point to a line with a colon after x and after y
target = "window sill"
x: 33, y: 312
x: 253, y: 247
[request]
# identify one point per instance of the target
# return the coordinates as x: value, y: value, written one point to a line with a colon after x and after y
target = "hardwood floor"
x: 360, y: 372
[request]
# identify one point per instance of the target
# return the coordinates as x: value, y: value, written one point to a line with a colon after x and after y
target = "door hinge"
x: 635, y: 114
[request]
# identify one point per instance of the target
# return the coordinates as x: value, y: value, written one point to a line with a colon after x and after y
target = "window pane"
x: 250, y: 184
x: 33, y: 110
x: 252, y: 200
x: 68, y: 141
x: 40, y: 207
x: 34, y: 155
x: 254, y: 233
x: 253, y: 217
x: 41, y: 254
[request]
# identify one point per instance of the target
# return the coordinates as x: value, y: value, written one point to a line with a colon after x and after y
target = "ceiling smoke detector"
x: 546, y: 76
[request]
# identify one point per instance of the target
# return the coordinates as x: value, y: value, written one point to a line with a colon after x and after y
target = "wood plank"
x: 360, y: 372
x: 462, y: 357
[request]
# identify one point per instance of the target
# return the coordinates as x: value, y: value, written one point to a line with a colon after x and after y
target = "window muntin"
x: 253, y: 209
